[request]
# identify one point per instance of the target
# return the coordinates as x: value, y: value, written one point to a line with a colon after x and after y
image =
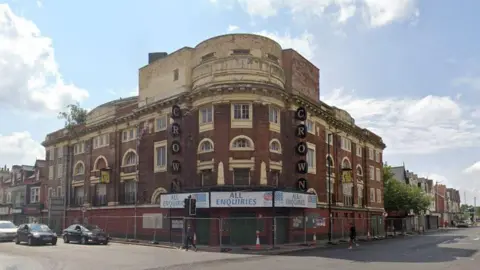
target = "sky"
x: 408, y: 70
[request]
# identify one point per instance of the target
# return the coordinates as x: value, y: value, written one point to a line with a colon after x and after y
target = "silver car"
x: 8, y: 230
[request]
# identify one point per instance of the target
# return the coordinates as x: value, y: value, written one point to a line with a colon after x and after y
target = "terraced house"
x: 222, y: 122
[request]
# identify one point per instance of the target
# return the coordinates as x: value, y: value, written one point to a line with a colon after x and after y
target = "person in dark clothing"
x: 353, y: 235
x: 190, y: 236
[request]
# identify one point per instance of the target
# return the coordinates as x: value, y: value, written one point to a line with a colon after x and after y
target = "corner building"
x: 232, y: 143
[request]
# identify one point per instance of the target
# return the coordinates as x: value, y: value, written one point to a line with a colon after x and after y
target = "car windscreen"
x: 91, y: 227
x: 39, y: 228
x: 7, y: 225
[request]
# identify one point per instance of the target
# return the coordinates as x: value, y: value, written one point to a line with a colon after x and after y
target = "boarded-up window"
x: 152, y: 221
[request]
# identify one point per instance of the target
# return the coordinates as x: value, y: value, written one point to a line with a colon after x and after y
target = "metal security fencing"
x: 240, y: 232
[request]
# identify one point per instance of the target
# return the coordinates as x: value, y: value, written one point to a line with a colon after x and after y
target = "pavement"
x: 441, y: 250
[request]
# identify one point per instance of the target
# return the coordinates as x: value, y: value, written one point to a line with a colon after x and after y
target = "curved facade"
x: 225, y: 124
x: 237, y: 59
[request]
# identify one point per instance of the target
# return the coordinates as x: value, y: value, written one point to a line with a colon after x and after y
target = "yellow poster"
x: 104, y: 177
x: 347, y: 177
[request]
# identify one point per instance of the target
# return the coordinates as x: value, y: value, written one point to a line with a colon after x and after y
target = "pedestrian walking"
x: 353, y: 236
x: 190, y: 235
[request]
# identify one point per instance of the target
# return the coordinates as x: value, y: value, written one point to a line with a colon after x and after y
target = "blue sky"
x: 409, y: 70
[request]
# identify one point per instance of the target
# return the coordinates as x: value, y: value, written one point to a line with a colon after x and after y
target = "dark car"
x: 85, y: 234
x: 35, y: 233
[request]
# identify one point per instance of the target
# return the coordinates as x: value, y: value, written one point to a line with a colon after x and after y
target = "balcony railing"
x: 77, y: 201
x: 100, y: 200
x: 129, y: 198
x: 129, y: 169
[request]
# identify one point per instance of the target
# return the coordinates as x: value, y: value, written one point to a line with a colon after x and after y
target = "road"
x: 456, y: 249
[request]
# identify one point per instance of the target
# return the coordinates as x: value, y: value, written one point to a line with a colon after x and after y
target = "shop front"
x: 33, y: 213
x: 17, y: 216
x: 175, y: 203
x: 4, y: 213
x: 235, y: 218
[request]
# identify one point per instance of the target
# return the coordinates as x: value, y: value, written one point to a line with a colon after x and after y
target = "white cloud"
x: 413, y: 126
x: 473, y: 169
x: 303, y: 43
x: 19, y: 148
x: 39, y: 4
x: 232, y: 28
x: 375, y: 12
x: 468, y: 81
x: 29, y: 75
x: 476, y: 113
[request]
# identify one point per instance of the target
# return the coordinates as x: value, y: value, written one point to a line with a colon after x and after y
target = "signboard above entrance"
x: 262, y: 199
x: 176, y: 201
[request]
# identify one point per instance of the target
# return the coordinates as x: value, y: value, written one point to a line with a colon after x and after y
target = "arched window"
x: 359, y: 173
x: 205, y: 146
x: 100, y: 163
x: 359, y: 170
x: 130, y: 158
x: 330, y: 162
x: 241, y: 143
x: 346, y: 164
x: 79, y: 168
x: 275, y: 146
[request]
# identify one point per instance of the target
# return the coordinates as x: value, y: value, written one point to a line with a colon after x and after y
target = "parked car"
x: 462, y: 224
x: 85, y: 234
x: 35, y: 233
x: 8, y: 230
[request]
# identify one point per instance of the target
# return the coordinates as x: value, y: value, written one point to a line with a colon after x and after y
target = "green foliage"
x: 75, y: 115
x: 402, y: 197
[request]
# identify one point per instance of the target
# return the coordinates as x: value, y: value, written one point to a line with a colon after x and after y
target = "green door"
x: 243, y: 227
x: 281, y: 225
x: 202, y: 229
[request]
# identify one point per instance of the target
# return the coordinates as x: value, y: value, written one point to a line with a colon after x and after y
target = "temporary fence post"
x: 343, y: 229
x: 305, y: 229
x: 184, y: 243
x: 220, y: 220
x: 154, y: 241
x: 106, y: 223
x: 274, y: 231
x: 126, y: 231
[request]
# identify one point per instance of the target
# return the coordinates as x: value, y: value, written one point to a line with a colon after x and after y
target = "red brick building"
x: 441, y: 203
x: 238, y: 96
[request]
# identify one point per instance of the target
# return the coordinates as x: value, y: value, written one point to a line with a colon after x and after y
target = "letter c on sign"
x: 176, y: 112
x: 301, y: 114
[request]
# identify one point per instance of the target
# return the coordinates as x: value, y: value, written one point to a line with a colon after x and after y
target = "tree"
x: 399, y: 196
x: 75, y: 115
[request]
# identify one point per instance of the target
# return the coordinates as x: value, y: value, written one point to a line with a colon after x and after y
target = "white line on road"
x: 476, y: 239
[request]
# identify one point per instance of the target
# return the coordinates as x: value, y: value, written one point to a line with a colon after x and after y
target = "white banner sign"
x: 241, y: 199
x: 176, y: 200
x: 296, y: 200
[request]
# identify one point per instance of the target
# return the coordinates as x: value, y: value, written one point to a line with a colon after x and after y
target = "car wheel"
x: 30, y: 241
x: 54, y: 242
x: 17, y: 241
x: 65, y: 239
x: 83, y: 241
x: 104, y: 243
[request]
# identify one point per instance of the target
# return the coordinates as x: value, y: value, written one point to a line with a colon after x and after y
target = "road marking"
x: 476, y: 239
